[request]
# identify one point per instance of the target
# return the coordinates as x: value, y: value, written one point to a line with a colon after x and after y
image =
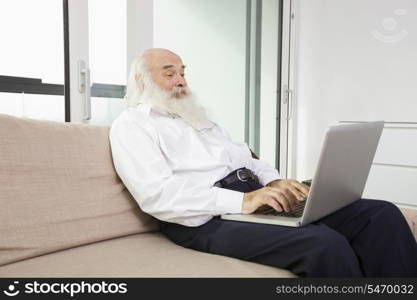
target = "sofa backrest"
x: 59, y: 189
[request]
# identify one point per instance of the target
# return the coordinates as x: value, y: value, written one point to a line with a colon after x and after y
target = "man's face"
x: 167, y: 71
x: 163, y: 86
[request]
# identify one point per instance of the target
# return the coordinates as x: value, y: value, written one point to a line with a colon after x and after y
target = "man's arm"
x: 141, y: 165
x: 265, y: 172
x: 279, y: 193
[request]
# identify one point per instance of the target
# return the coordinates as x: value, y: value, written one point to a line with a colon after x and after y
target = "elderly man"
x: 181, y: 168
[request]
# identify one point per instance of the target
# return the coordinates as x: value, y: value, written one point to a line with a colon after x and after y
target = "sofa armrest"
x: 411, y: 217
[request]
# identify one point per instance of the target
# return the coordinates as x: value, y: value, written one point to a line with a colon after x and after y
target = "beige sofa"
x: 65, y: 213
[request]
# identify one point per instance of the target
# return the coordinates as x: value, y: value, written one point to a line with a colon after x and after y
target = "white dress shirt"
x: 170, y: 167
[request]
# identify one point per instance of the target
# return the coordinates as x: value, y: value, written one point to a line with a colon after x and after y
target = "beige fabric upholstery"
x: 139, y: 255
x: 59, y: 189
x: 411, y: 217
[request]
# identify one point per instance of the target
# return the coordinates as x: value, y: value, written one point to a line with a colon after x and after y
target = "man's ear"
x: 139, y: 81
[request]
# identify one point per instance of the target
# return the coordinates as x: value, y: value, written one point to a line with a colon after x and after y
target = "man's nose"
x: 181, y: 82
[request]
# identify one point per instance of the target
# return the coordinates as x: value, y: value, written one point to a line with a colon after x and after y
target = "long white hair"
x: 135, y: 83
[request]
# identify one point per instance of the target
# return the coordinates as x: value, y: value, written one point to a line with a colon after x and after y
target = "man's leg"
x: 314, y: 250
x: 380, y: 236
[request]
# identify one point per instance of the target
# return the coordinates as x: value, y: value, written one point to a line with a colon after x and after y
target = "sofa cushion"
x: 139, y: 255
x: 411, y: 218
x: 59, y: 189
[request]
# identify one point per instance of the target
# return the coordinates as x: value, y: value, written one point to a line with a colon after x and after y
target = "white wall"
x: 139, y: 27
x: 210, y: 36
x: 355, y: 61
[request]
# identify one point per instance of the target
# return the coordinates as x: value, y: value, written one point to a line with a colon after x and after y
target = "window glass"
x: 32, y: 47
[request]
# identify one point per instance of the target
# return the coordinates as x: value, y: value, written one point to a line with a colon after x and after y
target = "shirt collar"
x: 147, y: 108
x: 144, y: 107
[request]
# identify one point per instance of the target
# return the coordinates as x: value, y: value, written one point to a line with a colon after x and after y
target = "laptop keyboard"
x: 297, y: 212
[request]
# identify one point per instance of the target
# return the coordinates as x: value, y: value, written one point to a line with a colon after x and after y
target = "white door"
x: 98, y: 59
x: 354, y: 61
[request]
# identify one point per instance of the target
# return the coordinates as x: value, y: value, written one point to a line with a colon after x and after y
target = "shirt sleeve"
x: 159, y: 192
x: 265, y: 172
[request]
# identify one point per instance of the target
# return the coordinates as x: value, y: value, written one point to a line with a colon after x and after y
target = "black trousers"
x: 369, y: 238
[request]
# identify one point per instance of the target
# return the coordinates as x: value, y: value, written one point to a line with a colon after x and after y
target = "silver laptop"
x: 341, y: 174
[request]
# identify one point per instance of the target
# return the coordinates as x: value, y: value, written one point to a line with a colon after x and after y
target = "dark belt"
x: 242, y: 175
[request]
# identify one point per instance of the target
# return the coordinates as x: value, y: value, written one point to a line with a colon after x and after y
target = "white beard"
x: 178, y: 102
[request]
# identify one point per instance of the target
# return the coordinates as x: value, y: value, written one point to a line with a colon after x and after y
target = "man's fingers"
x: 274, y: 204
x: 270, y: 202
x: 264, y: 208
x: 301, y: 187
x: 281, y: 199
x: 297, y: 194
x: 291, y: 194
x: 291, y: 197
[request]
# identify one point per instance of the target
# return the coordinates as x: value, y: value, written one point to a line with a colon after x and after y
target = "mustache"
x: 179, y: 92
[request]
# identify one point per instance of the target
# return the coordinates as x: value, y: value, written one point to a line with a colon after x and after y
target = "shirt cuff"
x: 268, y: 176
x: 228, y: 201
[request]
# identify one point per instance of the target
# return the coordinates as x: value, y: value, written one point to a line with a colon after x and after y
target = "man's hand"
x: 282, y: 195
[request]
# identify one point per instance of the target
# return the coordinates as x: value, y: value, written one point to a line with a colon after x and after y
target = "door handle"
x: 84, y: 88
x: 288, y: 101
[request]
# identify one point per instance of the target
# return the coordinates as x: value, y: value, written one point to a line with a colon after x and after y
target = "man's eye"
x: 183, y: 75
